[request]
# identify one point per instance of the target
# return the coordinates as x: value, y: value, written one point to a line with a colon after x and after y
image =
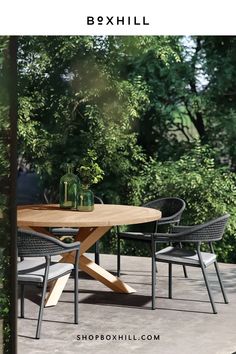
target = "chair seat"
x: 64, y: 231
x: 183, y: 256
x: 33, y: 270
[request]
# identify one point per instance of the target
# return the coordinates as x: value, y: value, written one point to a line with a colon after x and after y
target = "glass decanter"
x: 69, y: 184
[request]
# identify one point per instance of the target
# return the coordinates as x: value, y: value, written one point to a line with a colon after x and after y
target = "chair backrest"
x: 29, y: 190
x: 170, y: 207
x: 98, y: 200
x: 34, y: 244
x: 210, y: 231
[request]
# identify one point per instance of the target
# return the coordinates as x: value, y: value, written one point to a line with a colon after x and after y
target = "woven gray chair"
x: 29, y: 189
x: 71, y: 231
x: 171, y: 209
x: 196, y: 235
x: 33, y: 271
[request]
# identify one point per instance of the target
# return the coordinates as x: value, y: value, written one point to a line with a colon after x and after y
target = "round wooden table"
x: 92, y: 226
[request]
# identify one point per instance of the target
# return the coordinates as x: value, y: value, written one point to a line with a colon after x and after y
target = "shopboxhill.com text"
x: 117, y: 21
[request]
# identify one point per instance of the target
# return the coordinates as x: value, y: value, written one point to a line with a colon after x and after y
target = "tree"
x: 74, y: 98
x: 221, y: 70
x: 189, y: 97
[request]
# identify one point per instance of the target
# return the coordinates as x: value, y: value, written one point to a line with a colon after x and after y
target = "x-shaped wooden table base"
x: 87, y: 237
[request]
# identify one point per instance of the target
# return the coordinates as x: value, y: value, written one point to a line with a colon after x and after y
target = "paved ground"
x: 182, y: 325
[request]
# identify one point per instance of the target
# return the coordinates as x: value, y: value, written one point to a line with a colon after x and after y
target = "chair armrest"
x: 69, y: 246
x: 134, y: 235
x: 66, y: 246
x: 124, y: 233
x: 210, y: 231
x: 37, y: 242
x: 181, y: 228
x: 172, y: 237
x: 168, y: 220
x: 162, y: 237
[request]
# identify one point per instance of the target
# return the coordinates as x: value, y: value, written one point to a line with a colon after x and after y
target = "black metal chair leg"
x: 151, y: 253
x: 170, y: 281
x: 38, y: 331
x: 208, y: 289
x: 40, y: 317
x: 184, y: 267
x: 221, y: 283
x: 76, y: 297
x: 97, y: 258
x: 154, y: 275
x: 185, y: 272
x: 118, y: 255
x: 22, y: 301
x: 206, y: 278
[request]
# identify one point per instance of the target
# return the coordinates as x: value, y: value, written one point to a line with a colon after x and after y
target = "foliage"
x: 137, y: 104
x: 220, y: 67
x: 124, y: 93
x: 5, y: 302
x: 63, y: 117
x: 189, y: 96
x: 73, y: 97
x: 89, y: 171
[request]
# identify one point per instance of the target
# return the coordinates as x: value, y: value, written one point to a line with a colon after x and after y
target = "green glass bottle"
x: 85, y: 200
x: 69, y: 184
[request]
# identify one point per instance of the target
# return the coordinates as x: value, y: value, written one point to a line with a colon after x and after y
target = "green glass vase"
x: 85, y: 200
x: 68, y: 190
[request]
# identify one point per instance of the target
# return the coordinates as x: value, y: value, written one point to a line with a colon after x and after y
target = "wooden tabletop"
x: 50, y: 215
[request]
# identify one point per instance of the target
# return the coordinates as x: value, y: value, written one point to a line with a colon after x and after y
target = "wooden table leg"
x: 56, y: 291
x: 105, y: 277
x: 87, y: 237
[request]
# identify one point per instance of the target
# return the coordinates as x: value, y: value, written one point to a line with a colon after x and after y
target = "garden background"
x: 156, y: 114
